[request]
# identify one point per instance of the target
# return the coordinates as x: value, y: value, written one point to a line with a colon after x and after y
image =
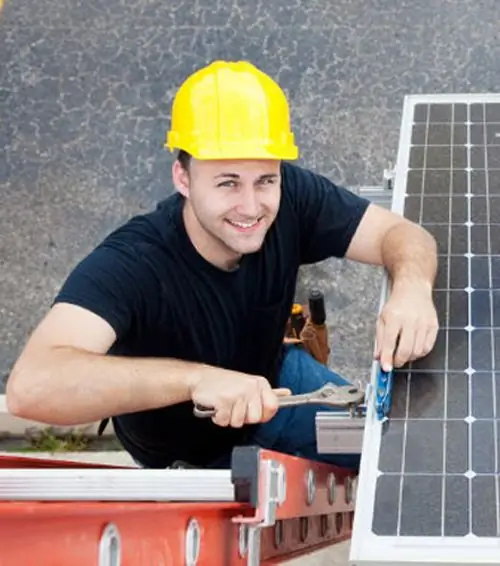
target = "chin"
x: 244, y: 248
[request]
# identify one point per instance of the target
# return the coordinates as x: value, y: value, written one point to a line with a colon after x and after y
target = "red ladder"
x: 269, y: 507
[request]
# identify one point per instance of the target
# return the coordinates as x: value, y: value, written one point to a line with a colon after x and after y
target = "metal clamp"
x: 272, y: 488
x: 383, y: 394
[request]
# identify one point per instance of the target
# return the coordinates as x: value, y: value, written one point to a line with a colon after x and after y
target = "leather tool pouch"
x: 313, y: 337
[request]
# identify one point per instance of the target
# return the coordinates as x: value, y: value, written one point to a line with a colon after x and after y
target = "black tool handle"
x: 317, y: 309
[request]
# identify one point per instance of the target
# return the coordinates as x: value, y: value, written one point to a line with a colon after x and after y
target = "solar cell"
x: 431, y: 471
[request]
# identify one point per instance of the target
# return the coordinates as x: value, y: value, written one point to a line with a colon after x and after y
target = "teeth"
x: 244, y: 224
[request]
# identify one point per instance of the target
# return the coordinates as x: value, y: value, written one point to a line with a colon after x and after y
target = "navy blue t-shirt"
x: 164, y: 300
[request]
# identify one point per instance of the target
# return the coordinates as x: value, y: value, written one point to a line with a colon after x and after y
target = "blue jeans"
x: 293, y: 429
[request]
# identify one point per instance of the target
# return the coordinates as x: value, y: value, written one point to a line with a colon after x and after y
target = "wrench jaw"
x: 339, y: 396
x: 344, y: 397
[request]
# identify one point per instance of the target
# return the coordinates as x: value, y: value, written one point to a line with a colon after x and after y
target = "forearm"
x: 75, y: 387
x: 409, y: 254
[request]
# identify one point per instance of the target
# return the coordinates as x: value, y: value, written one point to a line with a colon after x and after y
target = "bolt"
x: 304, y: 528
x: 281, y: 484
x: 339, y: 522
x: 348, y: 489
x: 243, y: 540
x: 311, y: 487
x: 331, y: 484
x: 110, y: 546
x: 354, y: 491
x: 192, y: 543
x: 324, y: 525
x: 278, y: 534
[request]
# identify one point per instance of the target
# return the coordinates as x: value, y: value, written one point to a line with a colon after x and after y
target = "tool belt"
x: 307, y: 328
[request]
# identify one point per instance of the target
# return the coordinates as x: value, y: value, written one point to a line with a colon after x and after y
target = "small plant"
x: 47, y: 440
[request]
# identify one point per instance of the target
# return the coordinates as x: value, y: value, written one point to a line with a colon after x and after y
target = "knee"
x: 302, y: 372
x: 297, y: 356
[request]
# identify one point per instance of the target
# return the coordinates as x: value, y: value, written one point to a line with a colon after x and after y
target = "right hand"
x: 238, y: 398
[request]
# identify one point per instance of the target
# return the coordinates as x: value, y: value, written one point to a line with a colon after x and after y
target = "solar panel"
x: 429, y: 485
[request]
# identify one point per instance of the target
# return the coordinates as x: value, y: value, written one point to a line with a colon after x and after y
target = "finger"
x: 282, y: 392
x: 270, y: 403
x: 239, y: 413
x: 222, y: 416
x: 430, y: 339
x: 388, y: 345
x: 419, y: 349
x: 405, y: 346
x: 379, y: 333
x: 254, y: 408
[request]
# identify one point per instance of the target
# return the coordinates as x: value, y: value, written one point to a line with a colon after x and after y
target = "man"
x: 188, y: 304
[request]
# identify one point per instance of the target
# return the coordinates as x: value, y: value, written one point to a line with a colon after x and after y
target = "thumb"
x: 282, y: 391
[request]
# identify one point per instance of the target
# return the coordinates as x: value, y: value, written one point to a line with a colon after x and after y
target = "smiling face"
x: 230, y: 205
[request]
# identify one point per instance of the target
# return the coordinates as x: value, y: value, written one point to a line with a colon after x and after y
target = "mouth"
x: 246, y: 226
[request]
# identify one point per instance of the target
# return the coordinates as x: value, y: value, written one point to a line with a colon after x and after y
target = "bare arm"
x: 63, y: 376
x: 408, y: 323
x: 404, y: 248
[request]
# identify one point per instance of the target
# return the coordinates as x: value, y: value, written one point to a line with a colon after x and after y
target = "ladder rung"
x: 116, y: 485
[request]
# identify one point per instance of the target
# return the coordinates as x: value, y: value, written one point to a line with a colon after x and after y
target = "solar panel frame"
x: 368, y: 547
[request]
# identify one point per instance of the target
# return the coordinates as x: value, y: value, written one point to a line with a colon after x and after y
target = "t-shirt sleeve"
x: 112, y: 282
x: 328, y: 214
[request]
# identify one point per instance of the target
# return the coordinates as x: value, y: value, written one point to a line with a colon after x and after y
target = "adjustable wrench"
x: 339, y: 396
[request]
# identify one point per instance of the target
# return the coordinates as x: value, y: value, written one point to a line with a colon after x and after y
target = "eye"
x: 228, y: 184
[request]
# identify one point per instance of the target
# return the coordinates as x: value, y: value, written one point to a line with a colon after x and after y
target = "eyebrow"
x: 236, y: 176
x: 232, y: 175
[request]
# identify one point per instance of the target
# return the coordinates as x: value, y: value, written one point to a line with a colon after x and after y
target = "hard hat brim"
x: 236, y: 150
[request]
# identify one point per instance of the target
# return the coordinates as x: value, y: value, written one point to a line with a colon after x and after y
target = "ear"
x: 180, y: 178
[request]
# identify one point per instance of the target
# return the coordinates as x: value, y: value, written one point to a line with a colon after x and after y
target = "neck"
x: 210, y: 248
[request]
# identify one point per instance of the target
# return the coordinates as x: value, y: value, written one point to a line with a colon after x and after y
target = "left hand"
x: 407, y: 326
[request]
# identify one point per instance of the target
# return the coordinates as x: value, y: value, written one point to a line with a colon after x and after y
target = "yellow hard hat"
x: 231, y: 110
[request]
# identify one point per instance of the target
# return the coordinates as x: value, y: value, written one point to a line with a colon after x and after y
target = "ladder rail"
x: 115, y: 485
x: 266, y: 507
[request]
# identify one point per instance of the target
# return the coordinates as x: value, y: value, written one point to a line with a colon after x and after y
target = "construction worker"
x: 187, y: 304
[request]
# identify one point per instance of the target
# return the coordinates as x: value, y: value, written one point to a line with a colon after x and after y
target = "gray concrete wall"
x: 85, y: 93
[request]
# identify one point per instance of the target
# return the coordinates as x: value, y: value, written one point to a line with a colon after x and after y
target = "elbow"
x: 32, y: 395
x: 12, y: 401
x: 15, y: 397
x: 20, y: 394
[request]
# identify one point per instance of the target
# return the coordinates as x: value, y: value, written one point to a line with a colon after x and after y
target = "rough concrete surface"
x: 85, y: 94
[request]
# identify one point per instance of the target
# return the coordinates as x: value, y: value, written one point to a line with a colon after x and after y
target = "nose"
x: 249, y: 205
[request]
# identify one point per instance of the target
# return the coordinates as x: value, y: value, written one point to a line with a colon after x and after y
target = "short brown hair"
x: 184, y: 159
